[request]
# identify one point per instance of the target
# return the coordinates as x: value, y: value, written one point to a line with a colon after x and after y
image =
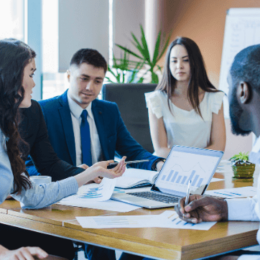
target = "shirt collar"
x: 76, y: 110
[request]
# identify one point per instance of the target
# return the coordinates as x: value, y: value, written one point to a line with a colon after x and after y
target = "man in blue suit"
x: 83, y: 129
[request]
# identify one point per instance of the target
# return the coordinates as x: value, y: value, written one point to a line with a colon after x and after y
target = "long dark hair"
x: 14, y: 56
x: 198, y: 74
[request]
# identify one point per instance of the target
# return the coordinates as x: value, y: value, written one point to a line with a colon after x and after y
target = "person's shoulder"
x: 216, y: 94
x: 50, y: 101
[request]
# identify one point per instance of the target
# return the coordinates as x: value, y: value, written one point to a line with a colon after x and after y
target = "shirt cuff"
x: 69, y: 186
x: 249, y: 257
x: 242, y: 209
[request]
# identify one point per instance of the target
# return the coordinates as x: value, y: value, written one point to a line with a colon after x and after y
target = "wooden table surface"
x: 163, y: 243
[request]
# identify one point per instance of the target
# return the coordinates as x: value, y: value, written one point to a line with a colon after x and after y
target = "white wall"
x: 82, y: 24
x: 128, y: 15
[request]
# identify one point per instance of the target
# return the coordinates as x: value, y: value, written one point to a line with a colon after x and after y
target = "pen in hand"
x: 187, y: 194
x: 111, y: 165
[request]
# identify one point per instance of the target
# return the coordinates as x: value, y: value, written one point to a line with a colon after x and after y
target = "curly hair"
x: 14, y: 56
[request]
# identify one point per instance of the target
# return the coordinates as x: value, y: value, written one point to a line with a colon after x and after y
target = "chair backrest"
x: 131, y: 102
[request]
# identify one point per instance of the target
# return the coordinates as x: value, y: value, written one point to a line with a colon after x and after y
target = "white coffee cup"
x: 40, y: 179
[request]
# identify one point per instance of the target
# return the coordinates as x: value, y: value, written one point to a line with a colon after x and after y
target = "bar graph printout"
x: 93, y: 192
x: 168, y: 219
x: 185, y: 166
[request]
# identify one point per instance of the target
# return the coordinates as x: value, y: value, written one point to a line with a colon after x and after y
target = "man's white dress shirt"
x: 247, y: 209
x: 75, y: 111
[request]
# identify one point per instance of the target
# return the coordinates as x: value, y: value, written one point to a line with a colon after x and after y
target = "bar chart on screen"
x: 178, y: 175
x: 183, y: 167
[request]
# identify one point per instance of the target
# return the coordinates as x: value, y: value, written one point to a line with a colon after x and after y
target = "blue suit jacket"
x: 113, y: 135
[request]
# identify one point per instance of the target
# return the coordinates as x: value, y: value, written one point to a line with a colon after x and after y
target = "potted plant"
x: 242, y: 168
x: 144, y: 56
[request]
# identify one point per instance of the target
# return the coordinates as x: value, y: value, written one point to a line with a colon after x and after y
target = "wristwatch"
x: 154, y: 165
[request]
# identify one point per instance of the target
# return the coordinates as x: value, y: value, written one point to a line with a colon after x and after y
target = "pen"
x: 188, y: 194
x: 129, y: 162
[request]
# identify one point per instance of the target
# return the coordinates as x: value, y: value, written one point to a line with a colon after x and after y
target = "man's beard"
x: 235, y: 112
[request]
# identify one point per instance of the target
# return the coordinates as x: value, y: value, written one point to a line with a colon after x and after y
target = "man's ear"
x: 244, y: 92
x: 68, y: 75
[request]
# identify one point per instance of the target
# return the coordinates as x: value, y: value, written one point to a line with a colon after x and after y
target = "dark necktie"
x: 85, y: 139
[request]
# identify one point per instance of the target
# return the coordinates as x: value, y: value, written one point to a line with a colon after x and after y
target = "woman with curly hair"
x: 17, y: 67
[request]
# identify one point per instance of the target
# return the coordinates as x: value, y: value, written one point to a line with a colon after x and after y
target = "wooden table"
x: 162, y: 243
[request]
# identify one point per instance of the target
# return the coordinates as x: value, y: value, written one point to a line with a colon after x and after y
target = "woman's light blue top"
x: 39, y: 196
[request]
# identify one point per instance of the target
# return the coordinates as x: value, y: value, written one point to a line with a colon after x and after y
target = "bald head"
x: 246, y: 67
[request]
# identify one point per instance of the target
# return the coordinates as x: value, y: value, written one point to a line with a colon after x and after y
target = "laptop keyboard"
x: 153, y: 196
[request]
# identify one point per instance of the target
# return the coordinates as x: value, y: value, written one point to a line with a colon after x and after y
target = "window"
x: 12, y: 19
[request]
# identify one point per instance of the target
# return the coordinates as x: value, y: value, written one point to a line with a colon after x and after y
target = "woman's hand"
x: 23, y: 253
x: 99, y: 169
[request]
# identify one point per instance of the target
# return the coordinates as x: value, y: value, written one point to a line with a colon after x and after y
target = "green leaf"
x: 145, y: 46
x: 155, y: 78
x: 156, y: 48
x: 129, y: 51
x: 164, y: 48
x: 140, y: 80
x: 109, y: 80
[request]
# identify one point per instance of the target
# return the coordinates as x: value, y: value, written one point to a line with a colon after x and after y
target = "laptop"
x: 182, y: 165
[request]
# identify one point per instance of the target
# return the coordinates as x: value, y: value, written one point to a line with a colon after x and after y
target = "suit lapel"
x: 64, y: 111
x: 98, y: 114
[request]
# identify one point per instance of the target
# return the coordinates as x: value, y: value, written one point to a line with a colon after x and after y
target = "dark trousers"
x: 14, y: 238
x: 97, y: 253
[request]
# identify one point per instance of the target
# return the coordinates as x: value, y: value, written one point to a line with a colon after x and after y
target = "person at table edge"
x: 244, y: 100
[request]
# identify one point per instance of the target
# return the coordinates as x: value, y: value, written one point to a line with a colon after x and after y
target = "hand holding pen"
x: 202, y: 208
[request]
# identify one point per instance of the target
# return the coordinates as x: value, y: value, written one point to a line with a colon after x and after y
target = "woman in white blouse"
x: 185, y: 109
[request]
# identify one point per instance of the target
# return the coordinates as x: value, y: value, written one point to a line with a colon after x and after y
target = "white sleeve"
x: 153, y: 101
x: 247, y: 213
x: 216, y: 101
x: 249, y: 257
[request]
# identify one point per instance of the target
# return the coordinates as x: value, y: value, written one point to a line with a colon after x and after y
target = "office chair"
x: 132, y: 106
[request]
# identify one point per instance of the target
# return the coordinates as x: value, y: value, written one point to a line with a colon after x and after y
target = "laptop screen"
x: 184, y: 164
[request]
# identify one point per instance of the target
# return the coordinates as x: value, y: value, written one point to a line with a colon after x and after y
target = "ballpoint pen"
x: 188, y: 194
x: 128, y: 162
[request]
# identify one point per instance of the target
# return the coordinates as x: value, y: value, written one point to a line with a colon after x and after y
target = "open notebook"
x: 133, y: 178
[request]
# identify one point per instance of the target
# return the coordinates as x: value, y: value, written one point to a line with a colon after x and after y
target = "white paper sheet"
x: 117, y: 221
x: 216, y: 179
x: 168, y: 219
x: 173, y: 221
x: 233, y: 192
x: 110, y: 205
x: 92, y: 192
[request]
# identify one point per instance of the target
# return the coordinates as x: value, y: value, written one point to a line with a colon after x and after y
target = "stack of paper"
x: 135, y: 178
x: 233, y: 192
x: 97, y: 196
x: 168, y: 219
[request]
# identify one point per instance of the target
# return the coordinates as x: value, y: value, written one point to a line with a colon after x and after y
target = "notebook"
x: 134, y: 178
x: 182, y: 165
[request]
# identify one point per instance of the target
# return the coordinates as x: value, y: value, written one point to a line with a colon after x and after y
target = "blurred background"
x: 56, y: 29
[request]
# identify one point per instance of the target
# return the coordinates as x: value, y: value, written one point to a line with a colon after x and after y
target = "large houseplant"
x: 124, y: 70
x: 143, y: 55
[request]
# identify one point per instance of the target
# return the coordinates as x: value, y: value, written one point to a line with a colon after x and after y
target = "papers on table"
x: 94, y: 192
x: 173, y: 221
x: 118, y: 221
x: 168, y: 219
x: 111, y: 205
x: 233, y: 192
x: 97, y: 196
x: 136, y: 178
